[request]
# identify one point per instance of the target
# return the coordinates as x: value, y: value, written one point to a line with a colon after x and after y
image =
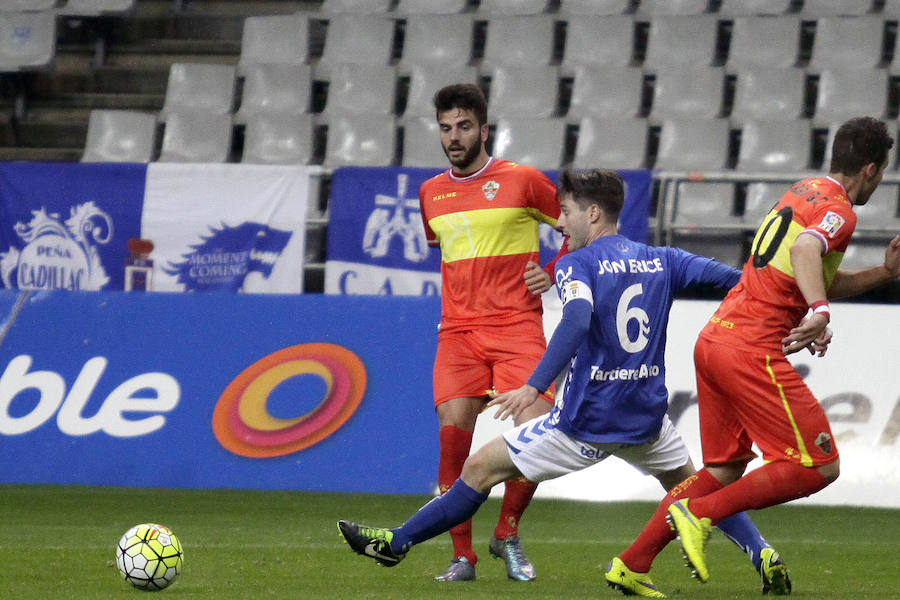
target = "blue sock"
x: 456, y: 505
x: 741, y: 530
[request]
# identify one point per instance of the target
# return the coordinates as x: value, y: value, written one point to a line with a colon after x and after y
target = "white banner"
x: 858, y: 383
x: 227, y: 227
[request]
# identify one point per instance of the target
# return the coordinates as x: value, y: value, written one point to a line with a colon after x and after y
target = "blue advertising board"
x: 218, y: 391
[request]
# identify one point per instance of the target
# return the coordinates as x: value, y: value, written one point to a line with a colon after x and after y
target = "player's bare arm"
x: 536, y: 279
x: 513, y: 403
x: 851, y: 283
x: 806, y: 259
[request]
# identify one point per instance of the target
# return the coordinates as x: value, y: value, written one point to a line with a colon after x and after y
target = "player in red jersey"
x: 484, y: 213
x: 747, y: 390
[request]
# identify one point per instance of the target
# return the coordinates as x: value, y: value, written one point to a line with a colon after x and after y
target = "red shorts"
x: 471, y: 361
x: 748, y: 396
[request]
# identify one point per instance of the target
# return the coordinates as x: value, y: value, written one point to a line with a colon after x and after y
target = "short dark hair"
x: 465, y: 96
x: 858, y: 142
x: 602, y: 187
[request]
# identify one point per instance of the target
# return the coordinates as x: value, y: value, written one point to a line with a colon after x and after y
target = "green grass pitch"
x: 59, y: 542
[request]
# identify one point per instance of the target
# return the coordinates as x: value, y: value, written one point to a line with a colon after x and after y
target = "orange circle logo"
x: 242, y: 423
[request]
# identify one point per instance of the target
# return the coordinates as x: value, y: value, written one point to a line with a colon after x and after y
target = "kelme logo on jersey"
x: 57, y: 255
x: 490, y: 189
x: 831, y: 223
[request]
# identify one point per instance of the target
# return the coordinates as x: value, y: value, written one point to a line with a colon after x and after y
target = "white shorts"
x: 541, y: 452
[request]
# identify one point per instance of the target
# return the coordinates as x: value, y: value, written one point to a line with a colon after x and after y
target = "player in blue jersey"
x: 616, y: 297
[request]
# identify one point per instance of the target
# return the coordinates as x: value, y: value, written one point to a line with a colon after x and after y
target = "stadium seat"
x: 96, y: 8
x: 536, y: 142
x: 726, y: 249
x: 696, y: 144
x: 747, y: 8
x: 27, y: 40
x: 359, y: 39
x: 657, y: 8
x: 367, y: 141
x: 196, y: 137
x: 763, y: 42
x: 594, y: 7
x: 356, y: 89
x: 852, y: 42
x: 599, y: 42
x: 120, y: 136
x: 688, y: 92
x: 523, y: 92
x: 23, y: 5
x: 606, y: 92
x: 761, y: 197
x: 693, y: 36
x: 275, y: 139
x: 276, y: 39
x: 850, y: 92
x: 425, y: 80
x: 864, y: 254
x: 512, y: 7
x: 422, y: 143
x: 768, y: 94
x: 880, y: 213
x: 356, y: 6
x: 829, y: 8
x: 439, y: 40
x: 891, y: 8
x: 430, y: 7
x: 522, y: 41
x: 775, y: 146
x: 200, y: 87
x: 612, y: 143
x: 274, y: 89
x: 705, y: 204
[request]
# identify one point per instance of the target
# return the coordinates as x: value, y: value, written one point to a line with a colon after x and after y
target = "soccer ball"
x: 149, y: 556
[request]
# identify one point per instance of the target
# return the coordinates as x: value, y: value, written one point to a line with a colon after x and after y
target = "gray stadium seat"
x: 775, y: 146
x: 522, y: 41
x: 764, y: 42
x: 23, y: 5
x: 747, y: 8
x: 367, y: 141
x: 425, y: 80
x: 726, y: 249
x: 605, y: 92
x: 695, y: 144
x: 850, y: 92
x: 657, y: 8
x: 278, y: 39
x: 768, y: 93
x: 880, y: 213
x: 439, y: 40
x: 356, y: 89
x: 761, y: 197
x: 688, y: 92
x: 422, y: 143
x: 512, y: 7
x: 863, y: 254
x: 200, y: 87
x: 275, y: 139
x: 694, y: 37
x: 358, y: 39
x: 600, y: 42
x: 523, y: 92
x: 430, y: 7
x: 611, y: 143
x: 96, y: 8
x: 196, y: 137
x: 594, y: 7
x: 891, y: 8
x: 835, y: 8
x: 356, y: 6
x: 705, y: 204
x: 854, y: 42
x: 120, y: 136
x: 27, y: 40
x: 535, y: 142
x: 274, y: 89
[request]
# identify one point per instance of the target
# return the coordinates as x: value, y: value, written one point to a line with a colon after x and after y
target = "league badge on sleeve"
x: 831, y: 223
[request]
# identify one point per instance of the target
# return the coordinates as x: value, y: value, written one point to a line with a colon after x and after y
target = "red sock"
x: 774, y: 483
x: 455, y: 446
x: 516, y: 497
x: 657, y: 533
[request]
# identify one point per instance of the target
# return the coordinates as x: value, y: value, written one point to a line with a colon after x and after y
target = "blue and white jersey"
x: 615, y: 390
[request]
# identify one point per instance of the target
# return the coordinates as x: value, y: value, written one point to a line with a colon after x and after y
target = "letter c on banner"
x: 242, y: 423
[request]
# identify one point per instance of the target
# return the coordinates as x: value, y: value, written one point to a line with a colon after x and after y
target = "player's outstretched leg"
x: 620, y: 577
x: 774, y: 574
x: 373, y: 542
x: 693, y: 534
x: 518, y: 566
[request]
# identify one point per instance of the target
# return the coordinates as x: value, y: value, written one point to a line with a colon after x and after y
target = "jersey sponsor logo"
x: 490, y: 189
x: 443, y: 196
x: 622, y: 374
x: 831, y: 223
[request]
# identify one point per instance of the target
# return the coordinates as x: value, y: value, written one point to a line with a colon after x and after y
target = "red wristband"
x: 821, y: 307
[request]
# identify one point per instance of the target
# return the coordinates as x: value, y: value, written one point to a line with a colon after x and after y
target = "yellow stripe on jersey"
x: 770, y: 232
x: 805, y: 458
x: 487, y: 232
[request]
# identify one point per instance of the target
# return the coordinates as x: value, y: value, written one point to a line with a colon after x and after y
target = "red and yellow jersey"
x: 766, y: 303
x: 487, y: 227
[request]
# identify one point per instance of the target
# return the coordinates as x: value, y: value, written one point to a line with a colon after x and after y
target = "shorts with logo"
x: 748, y: 396
x: 471, y: 361
x: 542, y: 452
